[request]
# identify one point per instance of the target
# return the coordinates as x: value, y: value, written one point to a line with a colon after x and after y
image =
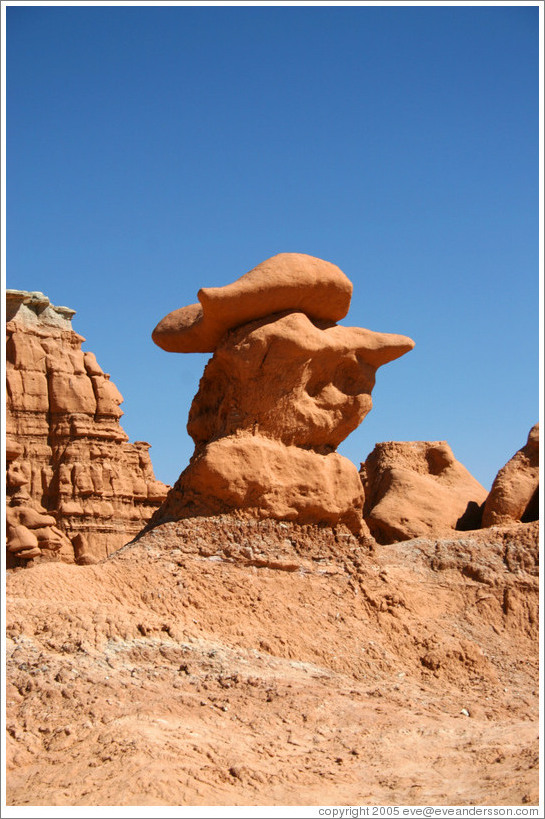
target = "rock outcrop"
x: 418, y: 489
x: 515, y: 492
x: 284, y: 387
x: 69, y: 460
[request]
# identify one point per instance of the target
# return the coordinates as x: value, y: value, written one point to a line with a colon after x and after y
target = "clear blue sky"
x: 155, y: 150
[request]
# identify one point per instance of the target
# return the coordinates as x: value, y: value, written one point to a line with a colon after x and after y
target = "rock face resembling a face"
x: 288, y: 379
x: 284, y: 387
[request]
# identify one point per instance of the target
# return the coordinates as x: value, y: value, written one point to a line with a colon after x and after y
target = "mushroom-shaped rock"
x: 284, y: 387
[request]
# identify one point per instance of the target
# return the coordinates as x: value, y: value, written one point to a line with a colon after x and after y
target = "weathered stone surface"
x: 321, y: 669
x: 287, y: 281
x: 291, y: 380
x: 268, y: 480
x: 515, y: 492
x: 278, y: 396
x: 68, y: 458
x: 418, y: 489
x: 30, y: 530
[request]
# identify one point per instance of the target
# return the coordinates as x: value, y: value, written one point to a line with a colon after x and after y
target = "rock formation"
x: 284, y: 387
x: 515, y: 491
x: 29, y: 528
x: 418, y: 489
x: 69, y: 460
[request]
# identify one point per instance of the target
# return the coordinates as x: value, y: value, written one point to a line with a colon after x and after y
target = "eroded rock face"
x: 515, y: 492
x: 71, y: 461
x: 418, y: 489
x: 284, y: 387
x: 267, y: 479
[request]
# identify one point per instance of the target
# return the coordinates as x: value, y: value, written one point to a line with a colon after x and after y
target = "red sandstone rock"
x: 278, y: 396
x: 287, y: 281
x: 291, y: 380
x: 29, y: 528
x: 515, y: 491
x: 69, y: 460
x: 268, y: 480
x: 418, y: 489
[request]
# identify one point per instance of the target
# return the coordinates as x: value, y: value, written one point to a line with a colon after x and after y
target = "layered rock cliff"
x: 69, y: 459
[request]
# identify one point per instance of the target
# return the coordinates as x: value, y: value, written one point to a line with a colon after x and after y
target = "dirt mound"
x: 227, y: 661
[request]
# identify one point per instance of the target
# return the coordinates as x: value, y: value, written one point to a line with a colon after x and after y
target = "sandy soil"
x: 220, y: 661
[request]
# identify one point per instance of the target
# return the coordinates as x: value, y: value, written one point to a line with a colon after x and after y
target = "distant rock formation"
x: 418, y: 489
x: 284, y: 387
x: 515, y: 491
x: 73, y: 480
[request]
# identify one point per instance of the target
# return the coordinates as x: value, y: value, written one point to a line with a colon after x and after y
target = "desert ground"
x: 225, y: 661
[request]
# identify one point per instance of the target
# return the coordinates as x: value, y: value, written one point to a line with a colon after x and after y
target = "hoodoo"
x: 285, y: 386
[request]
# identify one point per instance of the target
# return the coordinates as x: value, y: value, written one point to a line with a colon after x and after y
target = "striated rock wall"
x: 69, y: 455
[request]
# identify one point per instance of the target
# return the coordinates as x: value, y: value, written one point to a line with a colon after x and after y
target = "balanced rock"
x: 68, y: 457
x: 284, y: 387
x: 287, y: 281
x: 418, y: 489
x: 515, y: 492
